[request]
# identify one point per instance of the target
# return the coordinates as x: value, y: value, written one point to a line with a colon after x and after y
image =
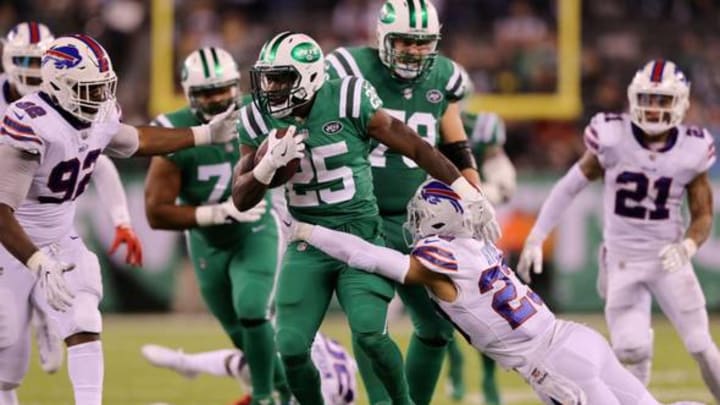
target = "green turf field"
x: 130, y: 381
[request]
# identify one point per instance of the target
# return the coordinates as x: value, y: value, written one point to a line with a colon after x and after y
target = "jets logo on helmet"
x: 23, y: 48
x: 287, y: 74
x: 408, y: 32
x: 211, y: 81
x: 78, y: 74
x: 436, y: 210
x: 659, y: 97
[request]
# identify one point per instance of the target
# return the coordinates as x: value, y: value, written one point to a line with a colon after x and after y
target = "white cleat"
x: 160, y: 356
x: 50, y: 347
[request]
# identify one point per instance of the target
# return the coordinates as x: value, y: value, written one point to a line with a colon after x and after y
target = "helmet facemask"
x: 90, y: 101
x: 25, y: 74
x: 436, y: 209
x: 209, y: 101
x: 409, y: 56
x: 276, y: 89
x: 659, y: 97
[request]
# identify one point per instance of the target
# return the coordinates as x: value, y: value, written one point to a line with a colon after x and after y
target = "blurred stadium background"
x: 545, y: 65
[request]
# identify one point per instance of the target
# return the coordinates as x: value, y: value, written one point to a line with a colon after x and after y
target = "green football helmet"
x: 288, y: 73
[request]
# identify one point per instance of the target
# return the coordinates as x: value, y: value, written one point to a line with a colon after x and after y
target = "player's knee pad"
x: 86, y: 314
x: 633, y: 355
x: 435, y: 341
x: 252, y: 307
x: 292, y: 342
x: 9, y: 319
x: 436, y: 333
x: 371, y: 343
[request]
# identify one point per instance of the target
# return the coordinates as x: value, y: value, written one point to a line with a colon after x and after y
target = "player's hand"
x: 50, y: 277
x: 483, y: 213
x: 227, y: 213
x: 222, y: 128
x: 499, y: 173
x: 299, y: 230
x: 125, y: 235
x: 280, y: 151
x: 676, y: 255
x: 531, y: 256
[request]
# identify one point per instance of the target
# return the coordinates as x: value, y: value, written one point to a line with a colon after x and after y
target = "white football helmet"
x: 659, y: 97
x: 288, y: 73
x: 23, y: 48
x: 207, y: 75
x: 414, y: 27
x: 78, y: 73
x: 436, y: 209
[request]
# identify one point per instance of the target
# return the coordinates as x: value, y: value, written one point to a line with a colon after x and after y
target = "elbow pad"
x: 460, y: 154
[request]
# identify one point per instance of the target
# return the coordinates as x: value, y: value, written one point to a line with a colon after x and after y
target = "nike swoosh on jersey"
x: 19, y: 116
x: 256, y: 229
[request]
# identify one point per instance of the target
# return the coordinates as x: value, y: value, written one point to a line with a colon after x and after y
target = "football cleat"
x: 160, y: 356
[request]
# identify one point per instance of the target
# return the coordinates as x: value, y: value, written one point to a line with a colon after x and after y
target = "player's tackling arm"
x: 247, y: 190
x: 366, y: 256
x: 700, y: 202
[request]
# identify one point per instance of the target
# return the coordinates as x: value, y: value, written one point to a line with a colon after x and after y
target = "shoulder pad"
x: 604, y: 131
x: 703, y: 145
x: 17, y: 129
x: 436, y: 254
x: 343, y: 62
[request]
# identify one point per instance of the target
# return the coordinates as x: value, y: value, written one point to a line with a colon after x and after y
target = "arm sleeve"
x: 125, y: 142
x: 436, y: 255
x: 561, y: 196
x: 359, y: 100
x: 18, y: 133
x: 252, y: 128
x: 18, y: 168
x: 709, y: 157
x: 110, y: 190
x: 361, y: 254
x: 456, y: 84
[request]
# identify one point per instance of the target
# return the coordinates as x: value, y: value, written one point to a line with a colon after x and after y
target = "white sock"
x: 8, y: 397
x: 213, y: 363
x: 86, y: 369
x: 709, y: 362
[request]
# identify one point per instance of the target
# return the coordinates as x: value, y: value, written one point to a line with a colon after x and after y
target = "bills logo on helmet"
x: 64, y: 57
x: 435, y: 191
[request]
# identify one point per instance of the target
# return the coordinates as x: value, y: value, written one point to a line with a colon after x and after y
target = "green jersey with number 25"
x: 420, y: 105
x: 334, y: 183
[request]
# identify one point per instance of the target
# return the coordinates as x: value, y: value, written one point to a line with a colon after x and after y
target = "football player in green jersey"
x: 421, y: 88
x: 235, y: 254
x: 331, y: 125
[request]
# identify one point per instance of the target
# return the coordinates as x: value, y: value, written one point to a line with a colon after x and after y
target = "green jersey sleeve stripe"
x: 345, y: 57
x: 343, y: 97
x: 162, y: 121
x: 357, y: 98
x: 258, y: 118
x: 351, y: 94
x: 454, y: 85
x: 246, y: 123
x: 335, y: 63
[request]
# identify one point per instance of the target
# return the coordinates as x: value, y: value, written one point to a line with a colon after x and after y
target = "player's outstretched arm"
x: 162, y: 189
x: 112, y: 195
x: 587, y: 169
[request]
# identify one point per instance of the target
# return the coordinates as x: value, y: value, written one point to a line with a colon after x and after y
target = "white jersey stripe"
x: 246, y: 122
x: 346, y: 56
x: 357, y: 98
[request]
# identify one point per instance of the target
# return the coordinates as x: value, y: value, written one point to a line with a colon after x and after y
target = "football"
x: 284, y: 173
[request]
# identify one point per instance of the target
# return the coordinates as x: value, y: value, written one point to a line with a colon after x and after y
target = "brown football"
x: 284, y: 173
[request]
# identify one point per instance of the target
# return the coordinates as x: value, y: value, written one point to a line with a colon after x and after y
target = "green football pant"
x: 307, y: 282
x: 432, y: 332
x: 236, y: 284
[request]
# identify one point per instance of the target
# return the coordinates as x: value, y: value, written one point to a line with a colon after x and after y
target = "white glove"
x: 227, y: 213
x: 556, y: 387
x: 280, y: 152
x: 300, y: 231
x: 483, y: 213
x: 676, y: 255
x: 531, y: 256
x: 499, y: 172
x: 50, y: 276
x: 222, y: 128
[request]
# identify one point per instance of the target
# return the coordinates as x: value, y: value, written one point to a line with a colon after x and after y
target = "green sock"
x: 303, y: 378
x: 490, y: 390
x: 259, y: 351
x: 280, y: 381
x: 455, y: 370
x: 387, y: 364
x: 422, y: 366
x: 377, y: 395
